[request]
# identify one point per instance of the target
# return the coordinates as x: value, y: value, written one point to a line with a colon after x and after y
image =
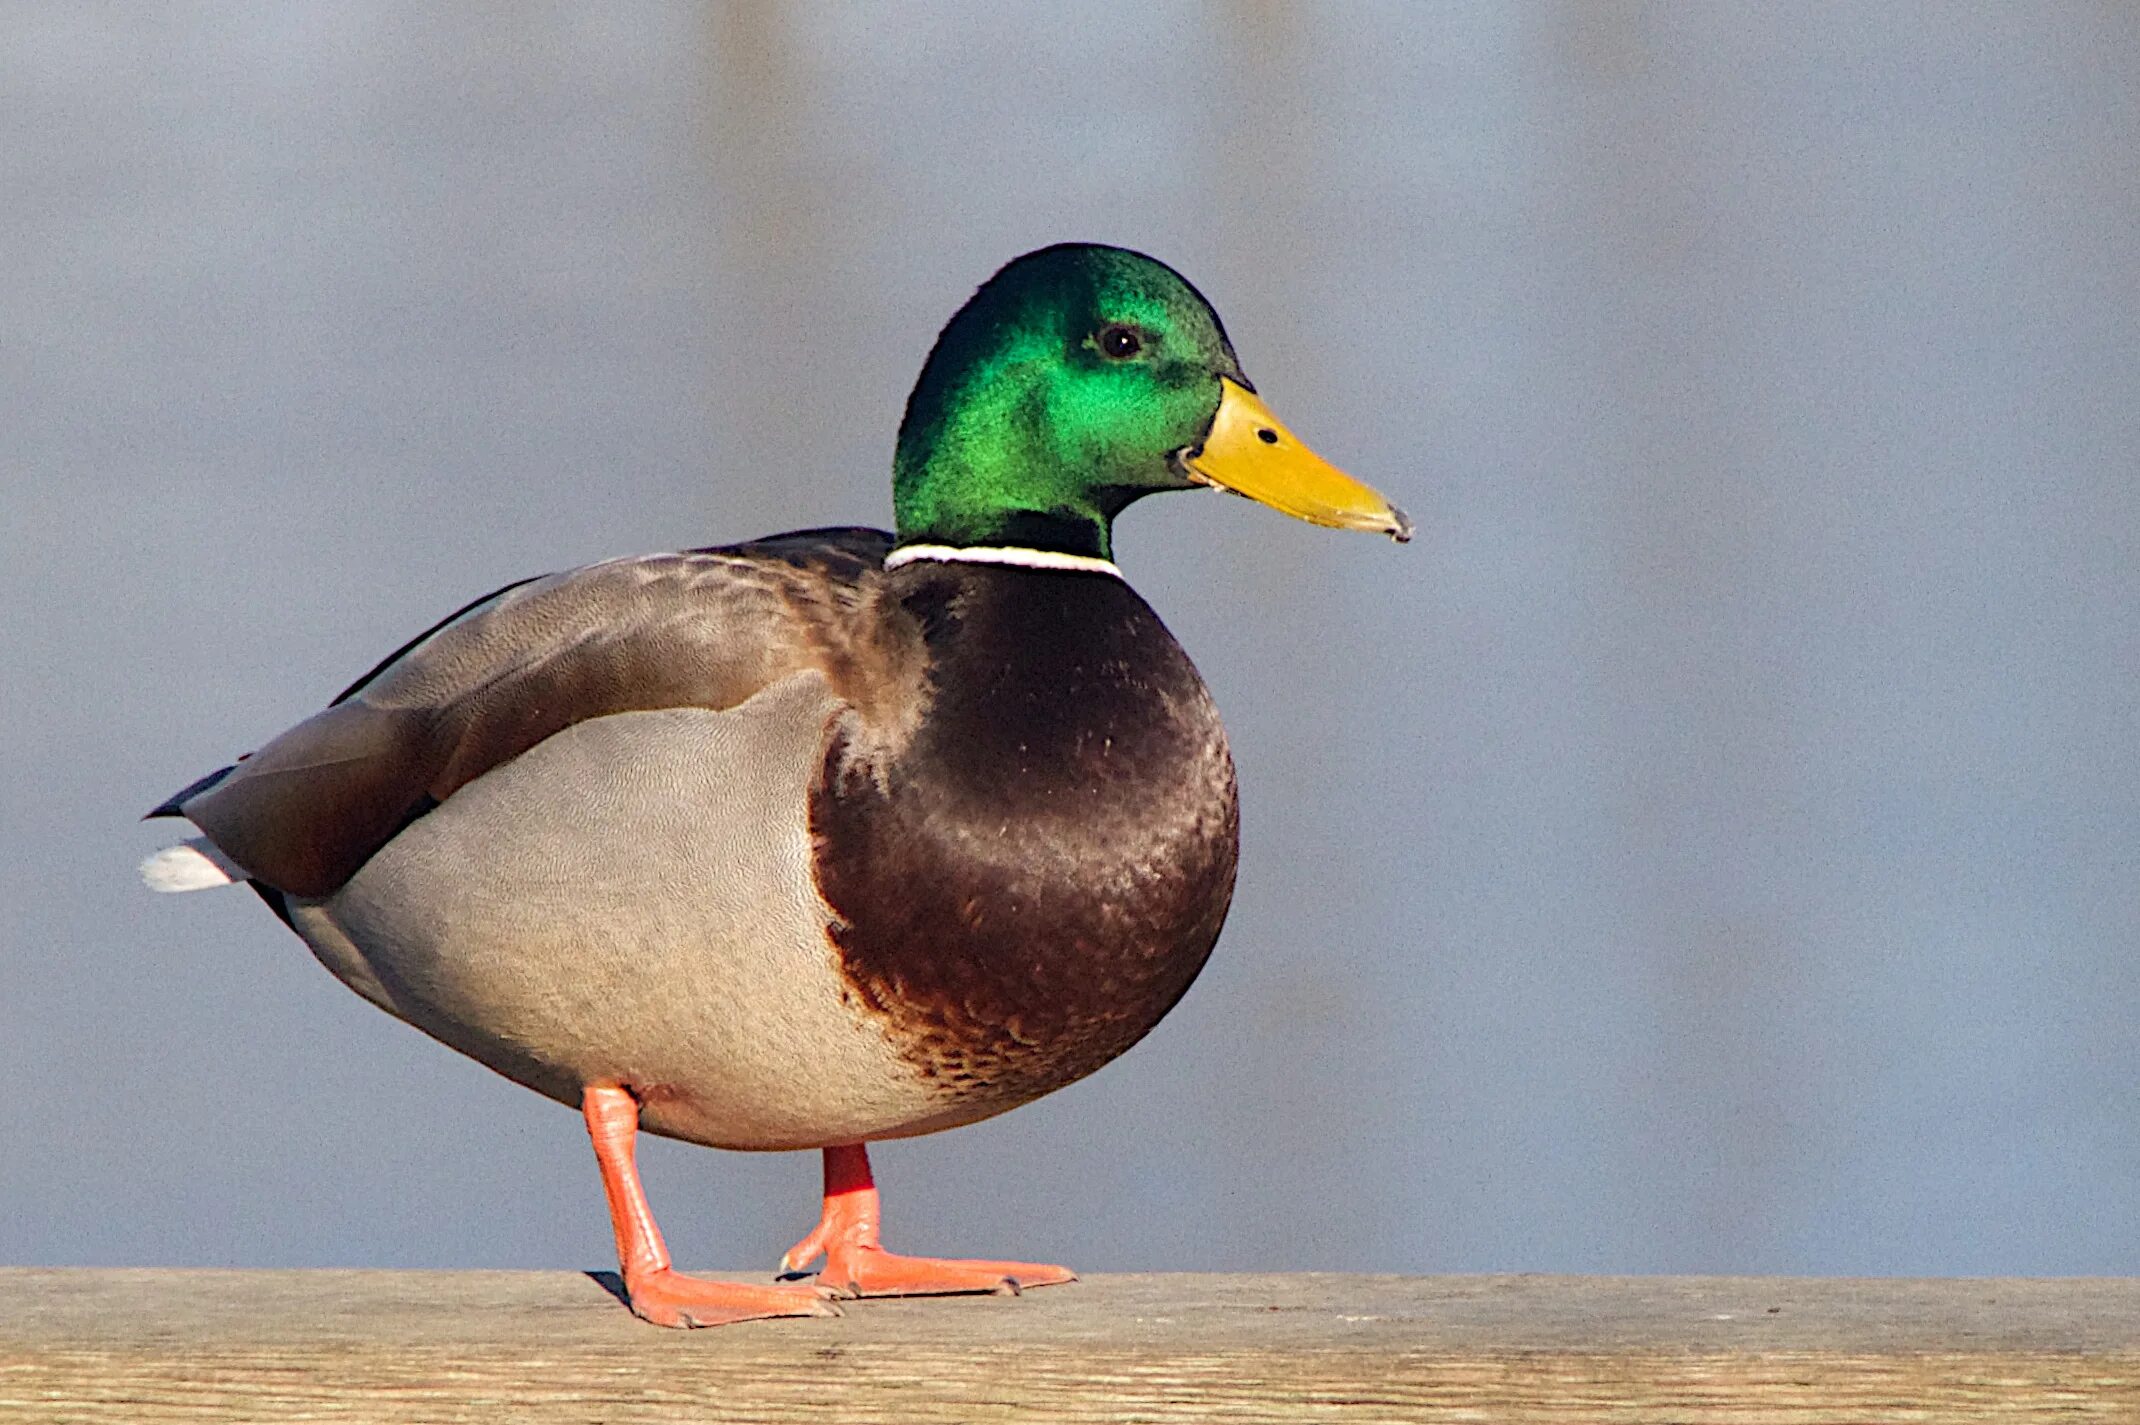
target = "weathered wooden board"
x: 157, y: 1346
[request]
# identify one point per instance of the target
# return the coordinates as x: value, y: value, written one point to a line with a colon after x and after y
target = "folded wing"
x: 707, y: 628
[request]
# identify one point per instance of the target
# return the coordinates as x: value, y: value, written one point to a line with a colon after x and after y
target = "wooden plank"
x: 157, y: 1346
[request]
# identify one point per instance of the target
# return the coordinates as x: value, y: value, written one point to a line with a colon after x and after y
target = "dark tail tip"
x: 174, y: 804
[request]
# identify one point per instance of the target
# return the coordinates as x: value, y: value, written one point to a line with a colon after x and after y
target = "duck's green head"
x: 1078, y: 379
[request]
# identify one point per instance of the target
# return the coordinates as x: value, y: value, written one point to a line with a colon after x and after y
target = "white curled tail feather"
x: 194, y: 865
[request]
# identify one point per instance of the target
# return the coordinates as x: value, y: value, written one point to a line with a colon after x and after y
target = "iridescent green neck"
x: 981, y: 461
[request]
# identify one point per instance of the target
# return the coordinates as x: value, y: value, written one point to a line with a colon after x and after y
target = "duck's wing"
x: 707, y: 628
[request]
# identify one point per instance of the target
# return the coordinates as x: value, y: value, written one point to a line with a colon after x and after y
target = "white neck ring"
x: 1002, y: 554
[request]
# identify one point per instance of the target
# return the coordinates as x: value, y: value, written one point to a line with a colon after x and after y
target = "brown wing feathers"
x: 704, y: 629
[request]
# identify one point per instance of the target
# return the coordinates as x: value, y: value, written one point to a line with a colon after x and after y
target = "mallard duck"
x: 826, y: 838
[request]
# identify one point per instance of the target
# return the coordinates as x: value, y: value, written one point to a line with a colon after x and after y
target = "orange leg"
x: 657, y: 1292
x: 856, y: 1264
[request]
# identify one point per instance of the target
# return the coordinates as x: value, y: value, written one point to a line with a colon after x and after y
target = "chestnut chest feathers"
x: 1028, y: 883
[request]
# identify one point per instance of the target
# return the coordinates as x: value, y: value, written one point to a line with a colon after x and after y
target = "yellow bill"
x: 1250, y: 453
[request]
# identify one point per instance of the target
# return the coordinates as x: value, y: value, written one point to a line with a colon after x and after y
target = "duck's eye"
x: 1119, y: 343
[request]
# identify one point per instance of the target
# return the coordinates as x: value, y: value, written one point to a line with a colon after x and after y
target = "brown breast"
x: 1033, y: 879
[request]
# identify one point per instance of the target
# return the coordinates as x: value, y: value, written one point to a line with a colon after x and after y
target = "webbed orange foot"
x: 669, y: 1298
x: 872, y: 1271
x: 857, y: 1265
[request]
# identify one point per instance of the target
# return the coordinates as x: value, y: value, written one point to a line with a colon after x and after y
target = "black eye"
x: 1120, y: 343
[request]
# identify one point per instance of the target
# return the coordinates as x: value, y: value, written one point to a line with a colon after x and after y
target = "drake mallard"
x: 825, y: 838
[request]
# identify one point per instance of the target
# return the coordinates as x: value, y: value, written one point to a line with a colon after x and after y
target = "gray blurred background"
x: 1714, y: 845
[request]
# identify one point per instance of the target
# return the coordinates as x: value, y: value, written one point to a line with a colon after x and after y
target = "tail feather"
x: 194, y: 865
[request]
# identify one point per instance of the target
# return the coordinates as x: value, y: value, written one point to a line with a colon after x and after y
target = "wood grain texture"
x: 157, y: 1346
